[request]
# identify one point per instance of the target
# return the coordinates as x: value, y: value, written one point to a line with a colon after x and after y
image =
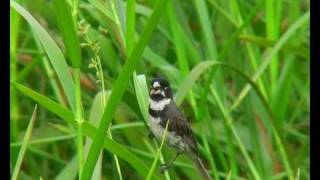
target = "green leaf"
x: 130, y: 27
x: 69, y: 171
x: 46, y: 102
x: 87, y: 128
x: 119, y: 88
x: 263, y: 42
x: 156, y: 159
x: 191, y: 79
x: 68, y: 30
x: 94, y: 117
x: 141, y: 88
x: 54, y: 53
x: 24, y: 145
x: 209, y: 39
x: 100, y: 5
x: 229, y: 121
x: 267, y: 60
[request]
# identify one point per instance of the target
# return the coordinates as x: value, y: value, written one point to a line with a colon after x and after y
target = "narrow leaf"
x: 119, y: 88
x: 54, y: 53
x: 24, y: 145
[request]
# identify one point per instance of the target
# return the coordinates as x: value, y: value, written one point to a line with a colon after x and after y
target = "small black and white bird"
x: 162, y: 109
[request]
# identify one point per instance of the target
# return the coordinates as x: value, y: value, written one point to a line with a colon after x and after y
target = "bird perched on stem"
x: 162, y: 109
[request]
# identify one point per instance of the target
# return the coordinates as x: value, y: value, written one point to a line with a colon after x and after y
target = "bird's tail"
x: 204, y: 173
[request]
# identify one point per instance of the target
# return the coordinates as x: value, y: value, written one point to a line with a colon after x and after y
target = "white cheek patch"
x: 159, y: 105
x: 156, y: 84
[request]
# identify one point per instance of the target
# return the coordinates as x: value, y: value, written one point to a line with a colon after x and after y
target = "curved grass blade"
x: 156, y: 159
x: 119, y: 88
x: 88, y: 129
x: 68, y: 30
x: 200, y: 69
x: 25, y: 142
x: 141, y: 88
x: 189, y: 81
x: 54, y: 53
x: 267, y: 60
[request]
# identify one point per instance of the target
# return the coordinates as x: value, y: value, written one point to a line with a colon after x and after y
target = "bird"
x: 162, y: 109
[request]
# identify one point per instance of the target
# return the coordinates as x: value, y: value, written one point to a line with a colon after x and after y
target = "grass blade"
x: 229, y: 121
x: 100, y: 5
x: 130, y: 27
x: 54, y: 53
x: 69, y: 171
x: 141, y: 88
x: 191, y: 78
x: 267, y: 60
x: 119, y: 89
x: 156, y: 159
x: 68, y: 30
x: 87, y: 129
x: 24, y: 145
x: 46, y: 102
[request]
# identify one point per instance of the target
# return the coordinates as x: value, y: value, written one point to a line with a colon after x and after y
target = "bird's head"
x: 160, y: 89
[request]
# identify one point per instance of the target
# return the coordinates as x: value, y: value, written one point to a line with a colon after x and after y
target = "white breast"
x: 172, y: 139
x: 159, y: 105
x: 155, y: 126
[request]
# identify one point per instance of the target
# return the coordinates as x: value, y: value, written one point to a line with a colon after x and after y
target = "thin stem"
x: 103, y: 102
x: 79, y: 120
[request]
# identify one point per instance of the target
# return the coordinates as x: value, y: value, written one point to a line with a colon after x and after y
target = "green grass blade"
x: 94, y: 117
x: 180, y: 50
x: 200, y: 69
x: 101, y: 6
x: 69, y: 171
x: 156, y: 158
x: 15, y: 24
x: 263, y: 42
x: 45, y: 140
x: 169, y: 71
x: 119, y: 150
x: 54, y: 53
x: 228, y: 120
x: 273, y: 16
x: 119, y: 88
x: 24, y: 145
x: 130, y: 27
x: 87, y: 129
x: 50, y: 72
x: 46, y: 102
x: 190, y: 80
x: 68, y: 30
x: 223, y: 13
x: 141, y: 88
x: 206, y: 28
x: 267, y: 60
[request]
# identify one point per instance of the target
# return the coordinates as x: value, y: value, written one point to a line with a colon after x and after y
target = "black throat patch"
x: 157, y: 114
x: 157, y: 97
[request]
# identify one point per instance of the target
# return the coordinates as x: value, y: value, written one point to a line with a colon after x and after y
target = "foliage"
x: 239, y: 71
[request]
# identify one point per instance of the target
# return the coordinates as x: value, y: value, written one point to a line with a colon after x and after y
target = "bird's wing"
x: 178, y: 123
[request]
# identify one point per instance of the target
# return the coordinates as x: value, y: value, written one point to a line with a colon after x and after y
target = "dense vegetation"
x: 80, y: 72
